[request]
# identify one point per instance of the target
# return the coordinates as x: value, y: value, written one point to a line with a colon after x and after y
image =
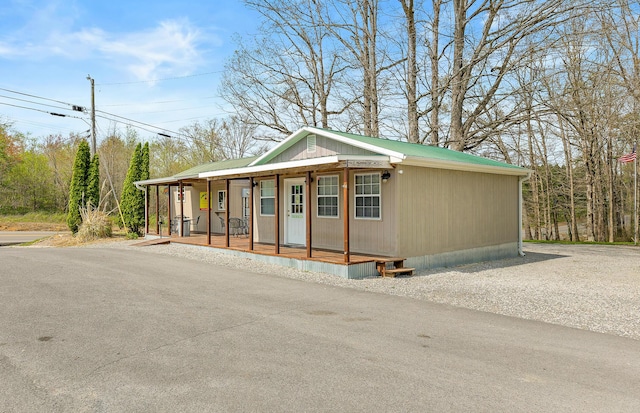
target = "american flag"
x: 630, y: 157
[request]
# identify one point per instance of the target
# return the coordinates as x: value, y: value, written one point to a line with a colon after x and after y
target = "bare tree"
x: 202, y: 141
x: 238, y: 139
x: 482, y: 58
x: 355, y: 25
x: 621, y: 28
x: 290, y: 75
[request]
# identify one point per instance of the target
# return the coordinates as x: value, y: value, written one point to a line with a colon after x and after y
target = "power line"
x: 136, y: 121
x: 40, y: 110
x: 136, y: 124
x: 41, y: 124
x: 126, y: 123
x: 120, y: 119
x: 37, y: 97
x: 35, y: 103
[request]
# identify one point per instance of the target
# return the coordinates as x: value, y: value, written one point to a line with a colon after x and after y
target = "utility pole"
x: 93, y: 116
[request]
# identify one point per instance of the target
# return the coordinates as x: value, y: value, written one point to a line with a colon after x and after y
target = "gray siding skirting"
x: 368, y: 269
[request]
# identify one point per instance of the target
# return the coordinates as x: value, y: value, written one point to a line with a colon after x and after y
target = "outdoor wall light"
x: 385, y: 176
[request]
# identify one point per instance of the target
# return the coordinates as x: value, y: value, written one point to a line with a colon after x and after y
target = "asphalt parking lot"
x: 117, y: 330
x: 19, y: 237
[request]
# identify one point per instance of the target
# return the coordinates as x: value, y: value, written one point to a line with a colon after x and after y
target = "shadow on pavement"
x: 530, y: 257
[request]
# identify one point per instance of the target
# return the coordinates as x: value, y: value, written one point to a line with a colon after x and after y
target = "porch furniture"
x: 383, y: 265
x: 195, y: 224
x: 221, y: 223
x: 186, y: 224
x: 245, y: 226
x: 237, y: 226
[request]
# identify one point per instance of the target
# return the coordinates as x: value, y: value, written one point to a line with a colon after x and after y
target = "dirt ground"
x: 32, y: 226
x: 63, y: 239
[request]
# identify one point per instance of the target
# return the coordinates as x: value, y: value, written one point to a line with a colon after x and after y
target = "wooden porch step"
x: 398, y: 267
x: 159, y: 241
x: 391, y: 272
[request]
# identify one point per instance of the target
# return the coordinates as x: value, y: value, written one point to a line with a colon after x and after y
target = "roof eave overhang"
x: 463, y: 166
x: 328, y: 162
x: 157, y: 181
x: 187, y: 178
x: 167, y: 180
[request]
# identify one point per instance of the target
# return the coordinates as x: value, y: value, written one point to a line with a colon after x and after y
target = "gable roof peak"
x: 397, y: 151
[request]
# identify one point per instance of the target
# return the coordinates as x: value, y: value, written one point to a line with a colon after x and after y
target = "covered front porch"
x: 285, y: 233
x: 326, y: 261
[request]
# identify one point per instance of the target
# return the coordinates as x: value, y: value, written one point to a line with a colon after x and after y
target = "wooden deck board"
x: 242, y: 244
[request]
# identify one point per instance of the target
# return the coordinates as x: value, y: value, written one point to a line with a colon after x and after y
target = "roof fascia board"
x: 271, y: 167
x: 182, y: 178
x: 463, y: 166
x: 325, y: 160
x: 158, y: 181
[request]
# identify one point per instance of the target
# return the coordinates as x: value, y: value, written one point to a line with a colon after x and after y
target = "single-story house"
x: 323, y: 190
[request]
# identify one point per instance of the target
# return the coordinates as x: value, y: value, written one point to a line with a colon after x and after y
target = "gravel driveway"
x: 591, y: 287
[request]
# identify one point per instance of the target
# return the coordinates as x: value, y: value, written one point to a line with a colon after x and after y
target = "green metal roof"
x: 214, y: 166
x: 406, y: 149
x: 423, y: 151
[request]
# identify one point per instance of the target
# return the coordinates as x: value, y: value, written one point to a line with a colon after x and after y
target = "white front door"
x: 295, y: 223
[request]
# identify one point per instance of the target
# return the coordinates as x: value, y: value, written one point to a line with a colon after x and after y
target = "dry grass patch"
x: 95, y: 225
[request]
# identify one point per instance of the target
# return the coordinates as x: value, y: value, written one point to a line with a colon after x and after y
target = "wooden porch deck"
x: 241, y: 243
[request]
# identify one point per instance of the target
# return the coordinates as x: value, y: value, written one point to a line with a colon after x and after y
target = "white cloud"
x: 169, y: 48
x: 172, y: 47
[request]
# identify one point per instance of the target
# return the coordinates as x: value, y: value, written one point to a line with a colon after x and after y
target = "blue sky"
x: 155, y: 62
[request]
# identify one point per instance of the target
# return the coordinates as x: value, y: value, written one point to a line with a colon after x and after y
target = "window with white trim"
x: 367, y: 193
x: 328, y: 196
x: 245, y: 203
x: 180, y: 194
x: 222, y: 197
x: 267, y: 197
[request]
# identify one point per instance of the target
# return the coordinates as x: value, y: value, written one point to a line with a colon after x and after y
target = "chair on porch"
x: 221, y: 223
x: 245, y: 226
x: 235, y: 226
x: 194, y: 224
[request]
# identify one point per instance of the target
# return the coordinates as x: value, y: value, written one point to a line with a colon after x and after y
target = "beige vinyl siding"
x: 375, y: 236
x: 195, y: 206
x: 443, y: 211
x: 367, y: 236
x: 263, y: 229
x: 192, y: 206
x: 324, y: 147
x: 327, y: 231
x: 186, y: 205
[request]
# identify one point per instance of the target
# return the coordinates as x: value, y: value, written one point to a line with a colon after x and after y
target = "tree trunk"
x: 456, y: 137
x: 535, y: 197
x: 434, y: 57
x: 568, y: 160
x: 412, y: 72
